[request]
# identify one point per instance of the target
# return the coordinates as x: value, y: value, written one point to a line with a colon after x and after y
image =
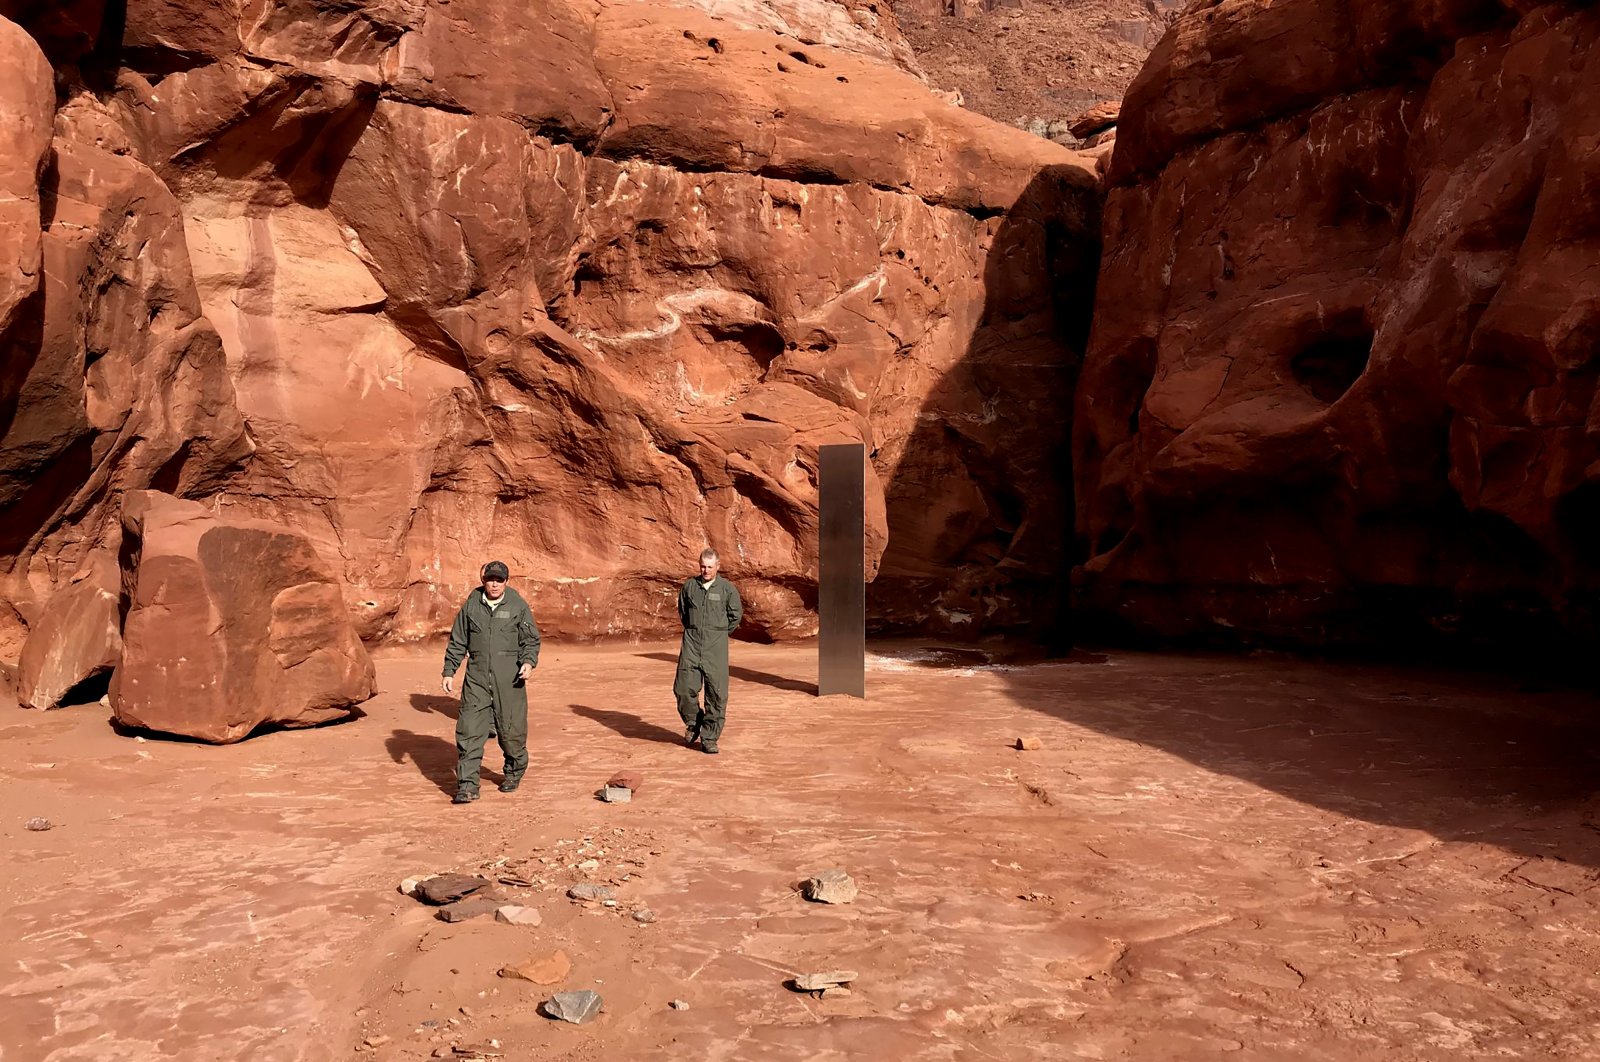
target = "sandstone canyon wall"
x: 1342, y: 379
x: 581, y: 285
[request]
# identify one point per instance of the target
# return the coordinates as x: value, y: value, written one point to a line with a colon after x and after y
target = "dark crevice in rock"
x: 1331, y: 365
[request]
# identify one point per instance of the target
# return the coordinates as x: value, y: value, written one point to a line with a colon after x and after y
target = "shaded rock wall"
x: 1341, y: 384
x: 579, y: 285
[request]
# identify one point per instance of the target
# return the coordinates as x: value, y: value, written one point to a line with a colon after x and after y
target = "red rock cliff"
x: 1342, y: 380
x: 581, y: 285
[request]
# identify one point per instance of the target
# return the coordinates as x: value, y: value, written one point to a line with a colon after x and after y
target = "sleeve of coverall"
x: 527, y: 640
x: 735, y: 608
x: 683, y: 606
x: 456, y: 651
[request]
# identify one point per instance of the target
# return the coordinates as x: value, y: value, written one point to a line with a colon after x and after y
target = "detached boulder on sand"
x: 231, y: 624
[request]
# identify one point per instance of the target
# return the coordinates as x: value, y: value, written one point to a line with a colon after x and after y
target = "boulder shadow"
x: 122, y: 729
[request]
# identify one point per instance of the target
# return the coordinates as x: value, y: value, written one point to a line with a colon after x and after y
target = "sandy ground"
x: 1250, y: 858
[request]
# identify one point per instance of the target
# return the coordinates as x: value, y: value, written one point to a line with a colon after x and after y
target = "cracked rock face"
x: 580, y: 286
x: 1342, y: 378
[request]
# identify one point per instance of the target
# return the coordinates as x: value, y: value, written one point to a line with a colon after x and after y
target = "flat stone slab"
x: 616, y: 794
x: 512, y: 915
x: 816, y: 982
x: 549, y: 969
x: 471, y: 907
x: 448, y: 888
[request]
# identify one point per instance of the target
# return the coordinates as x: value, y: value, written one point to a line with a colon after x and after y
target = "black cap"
x: 496, y: 570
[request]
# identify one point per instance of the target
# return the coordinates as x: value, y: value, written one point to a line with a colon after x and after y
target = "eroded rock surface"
x: 580, y: 286
x: 1342, y: 378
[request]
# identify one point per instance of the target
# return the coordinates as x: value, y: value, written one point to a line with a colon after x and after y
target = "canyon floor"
x: 1245, y: 857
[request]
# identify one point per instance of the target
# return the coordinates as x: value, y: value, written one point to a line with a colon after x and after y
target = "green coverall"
x: 496, y: 643
x: 709, y: 615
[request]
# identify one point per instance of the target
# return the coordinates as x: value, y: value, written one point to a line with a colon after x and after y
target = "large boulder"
x: 77, y: 638
x: 1342, y: 382
x: 231, y: 625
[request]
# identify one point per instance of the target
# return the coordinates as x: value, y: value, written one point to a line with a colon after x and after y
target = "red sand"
x: 1253, y: 858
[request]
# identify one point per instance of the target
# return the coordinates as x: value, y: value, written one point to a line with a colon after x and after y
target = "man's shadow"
x: 745, y: 674
x: 629, y: 726
x: 434, y: 756
x: 449, y: 707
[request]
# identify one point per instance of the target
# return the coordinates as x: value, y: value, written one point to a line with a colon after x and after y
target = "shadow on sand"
x: 628, y: 725
x: 745, y: 674
x: 434, y: 757
x: 1465, y: 758
x: 449, y: 707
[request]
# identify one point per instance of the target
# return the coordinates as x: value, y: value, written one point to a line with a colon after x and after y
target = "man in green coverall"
x: 710, y: 609
x: 495, y: 632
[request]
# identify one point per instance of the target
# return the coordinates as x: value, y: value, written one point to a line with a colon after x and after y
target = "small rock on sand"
x: 548, y: 969
x: 816, y: 982
x: 576, y: 1007
x: 447, y: 888
x: 830, y: 886
x: 513, y: 915
x: 590, y: 892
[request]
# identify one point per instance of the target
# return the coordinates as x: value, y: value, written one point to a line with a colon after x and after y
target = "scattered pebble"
x: 830, y: 886
x: 578, y: 1007
x: 37, y: 825
x: 645, y: 915
x: 589, y: 864
x: 1029, y: 743
x: 678, y: 1004
x: 408, y: 887
x: 836, y: 992
x: 376, y: 1041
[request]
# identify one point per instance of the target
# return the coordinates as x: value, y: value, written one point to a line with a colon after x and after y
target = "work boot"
x: 509, y: 783
x: 691, y: 735
x: 465, y: 796
x: 708, y: 747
